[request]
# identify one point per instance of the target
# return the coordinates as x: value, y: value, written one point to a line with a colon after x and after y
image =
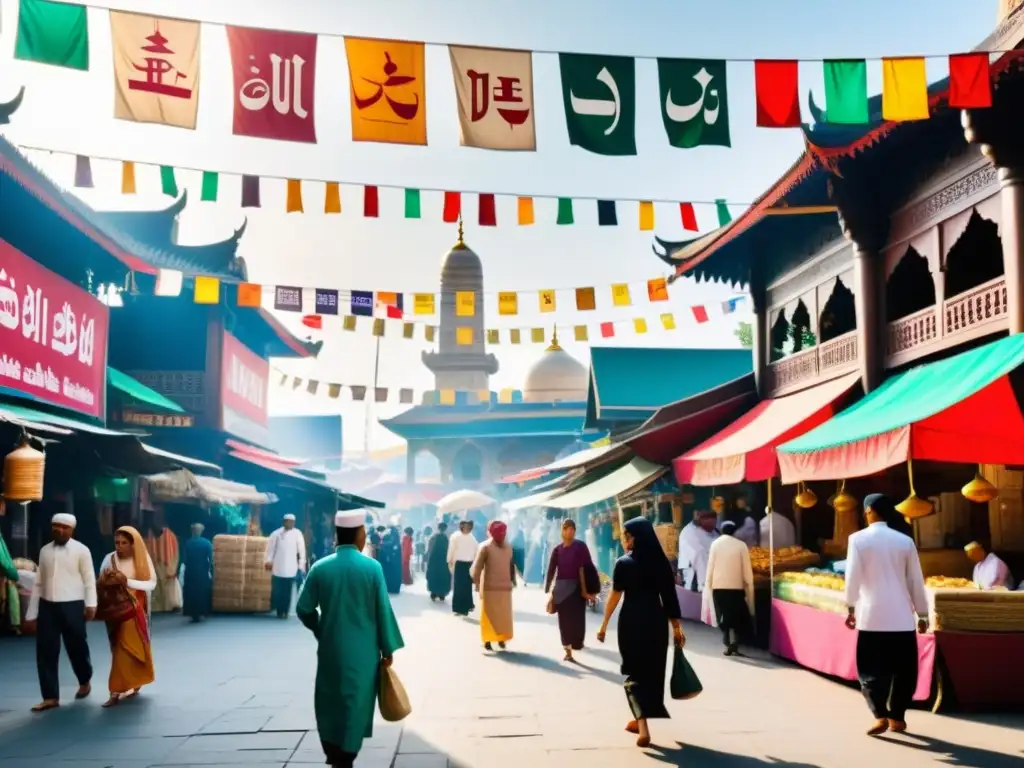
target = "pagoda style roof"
x: 491, y: 420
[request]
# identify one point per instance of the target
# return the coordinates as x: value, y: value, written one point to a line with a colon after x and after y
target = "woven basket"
x: 24, y: 468
x: 972, y: 610
x: 240, y: 582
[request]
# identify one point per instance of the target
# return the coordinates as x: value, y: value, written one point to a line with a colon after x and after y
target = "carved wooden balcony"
x: 804, y: 369
x: 971, y: 313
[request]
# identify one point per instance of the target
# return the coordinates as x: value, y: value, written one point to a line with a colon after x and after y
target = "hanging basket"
x: 979, y: 490
x: 24, y: 468
x: 806, y: 498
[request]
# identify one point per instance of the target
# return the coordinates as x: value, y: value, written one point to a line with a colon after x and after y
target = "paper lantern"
x: 979, y: 490
x: 913, y: 506
x: 805, y: 498
x: 23, y: 473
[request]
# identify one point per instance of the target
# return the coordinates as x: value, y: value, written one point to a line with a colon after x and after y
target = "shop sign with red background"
x: 244, y: 389
x: 53, y: 337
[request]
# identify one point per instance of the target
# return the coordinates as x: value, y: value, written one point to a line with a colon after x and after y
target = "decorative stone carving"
x: 971, y: 185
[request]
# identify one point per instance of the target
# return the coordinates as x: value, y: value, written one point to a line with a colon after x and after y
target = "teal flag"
x: 846, y: 91
x: 412, y: 204
x: 694, y: 102
x: 600, y: 102
x: 53, y: 33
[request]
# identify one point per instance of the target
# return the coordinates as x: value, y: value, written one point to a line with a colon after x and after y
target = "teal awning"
x: 140, y: 392
x: 627, y: 479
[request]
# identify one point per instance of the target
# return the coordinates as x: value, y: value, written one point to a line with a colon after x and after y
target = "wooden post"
x: 1012, y: 193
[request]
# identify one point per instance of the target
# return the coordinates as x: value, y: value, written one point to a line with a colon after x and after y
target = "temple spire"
x: 461, y: 243
x: 554, y: 340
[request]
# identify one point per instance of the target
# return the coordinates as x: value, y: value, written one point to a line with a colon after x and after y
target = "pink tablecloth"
x: 689, y: 603
x: 819, y: 640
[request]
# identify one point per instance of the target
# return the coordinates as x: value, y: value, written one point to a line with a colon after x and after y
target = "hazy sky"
x: 73, y: 111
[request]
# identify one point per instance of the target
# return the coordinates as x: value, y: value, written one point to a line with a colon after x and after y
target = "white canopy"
x: 183, y: 487
x: 463, y: 501
x: 533, y: 500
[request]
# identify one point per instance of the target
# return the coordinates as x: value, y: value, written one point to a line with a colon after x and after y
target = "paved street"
x: 237, y: 691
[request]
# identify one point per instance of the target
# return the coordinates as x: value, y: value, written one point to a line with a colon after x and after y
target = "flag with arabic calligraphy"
x: 599, y: 93
x: 494, y: 89
x: 156, y: 69
x: 274, y: 78
x: 387, y: 90
x: 694, y: 102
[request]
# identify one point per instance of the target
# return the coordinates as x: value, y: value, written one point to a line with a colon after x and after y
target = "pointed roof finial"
x: 554, y: 340
x: 461, y: 243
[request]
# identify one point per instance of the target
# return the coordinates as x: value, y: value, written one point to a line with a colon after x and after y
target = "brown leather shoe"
x: 897, y: 726
x: 880, y: 727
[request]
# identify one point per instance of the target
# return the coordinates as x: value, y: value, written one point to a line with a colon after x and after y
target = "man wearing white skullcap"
x: 286, y: 560
x: 63, y: 600
x: 345, y: 604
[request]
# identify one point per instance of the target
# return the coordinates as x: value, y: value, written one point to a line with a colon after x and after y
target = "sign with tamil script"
x: 53, y: 336
x: 244, y: 390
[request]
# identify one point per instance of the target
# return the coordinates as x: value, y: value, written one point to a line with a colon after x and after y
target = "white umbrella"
x: 463, y: 501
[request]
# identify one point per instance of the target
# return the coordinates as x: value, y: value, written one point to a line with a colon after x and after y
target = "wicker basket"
x: 240, y: 582
x: 24, y: 468
x: 973, y: 610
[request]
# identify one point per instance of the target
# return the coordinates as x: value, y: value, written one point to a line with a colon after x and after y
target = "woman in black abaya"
x: 644, y: 578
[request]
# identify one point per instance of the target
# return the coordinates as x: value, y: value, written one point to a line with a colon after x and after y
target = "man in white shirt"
x: 730, y: 580
x: 884, y: 589
x: 695, y: 542
x: 286, y: 559
x: 990, y: 572
x: 777, y: 531
x: 461, y: 554
x: 63, y: 600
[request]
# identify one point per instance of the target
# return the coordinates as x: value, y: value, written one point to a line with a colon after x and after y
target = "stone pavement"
x: 237, y: 691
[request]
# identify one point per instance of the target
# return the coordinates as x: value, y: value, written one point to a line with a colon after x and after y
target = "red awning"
x: 524, y: 475
x: 745, y: 450
x: 269, y: 456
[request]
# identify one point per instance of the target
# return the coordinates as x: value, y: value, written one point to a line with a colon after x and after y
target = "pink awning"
x: 745, y: 450
x: 259, y: 453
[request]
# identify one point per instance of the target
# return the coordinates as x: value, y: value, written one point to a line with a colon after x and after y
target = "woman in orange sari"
x: 131, y: 664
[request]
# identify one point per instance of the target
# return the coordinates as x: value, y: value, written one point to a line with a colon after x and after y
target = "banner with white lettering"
x: 156, y: 69
x: 53, y: 337
x: 244, y: 386
x: 495, y: 95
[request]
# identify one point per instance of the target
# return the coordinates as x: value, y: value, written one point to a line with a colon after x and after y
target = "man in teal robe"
x: 197, y: 560
x: 345, y: 603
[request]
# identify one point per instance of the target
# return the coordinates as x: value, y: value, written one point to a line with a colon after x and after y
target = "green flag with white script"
x: 600, y: 102
x: 694, y: 102
x: 53, y: 33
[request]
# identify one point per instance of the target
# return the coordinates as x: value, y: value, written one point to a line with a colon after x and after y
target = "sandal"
x: 632, y: 727
x: 45, y: 705
x: 113, y: 701
x: 643, y: 741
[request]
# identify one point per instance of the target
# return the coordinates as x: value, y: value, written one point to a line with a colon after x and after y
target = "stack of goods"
x: 817, y: 589
x: 786, y: 559
x: 976, y: 610
x: 240, y: 582
x: 948, y: 582
x: 668, y: 535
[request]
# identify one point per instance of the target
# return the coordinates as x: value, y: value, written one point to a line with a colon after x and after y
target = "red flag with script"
x: 274, y: 76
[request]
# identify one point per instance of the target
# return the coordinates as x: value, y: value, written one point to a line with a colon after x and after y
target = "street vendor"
x: 694, y: 545
x: 990, y: 572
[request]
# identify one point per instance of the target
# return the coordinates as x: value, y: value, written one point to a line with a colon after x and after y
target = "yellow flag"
x: 904, y: 89
x: 668, y: 321
x: 484, y: 395
x: 423, y: 303
x: 465, y: 303
x: 524, y: 210
x: 547, y: 300
x: 463, y: 336
x: 332, y: 197
x: 430, y: 332
x: 580, y: 332
x: 513, y: 336
x: 408, y: 330
x: 293, y: 202
x: 207, y: 290
x: 620, y: 295
x: 508, y: 303
x: 378, y: 326
x: 639, y: 325
x: 387, y: 87
x: 646, y: 215
x: 447, y: 397
x: 349, y: 322
x: 537, y: 335
x: 493, y: 337
x: 127, y: 178
x: 505, y: 395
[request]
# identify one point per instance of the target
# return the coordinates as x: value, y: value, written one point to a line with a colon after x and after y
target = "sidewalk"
x: 237, y: 691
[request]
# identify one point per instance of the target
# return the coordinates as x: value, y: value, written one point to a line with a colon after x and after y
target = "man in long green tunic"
x: 345, y: 603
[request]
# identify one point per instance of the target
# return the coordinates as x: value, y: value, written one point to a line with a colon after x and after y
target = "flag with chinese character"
x: 274, y: 77
x: 156, y: 69
x: 599, y: 93
x: 494, y: 89
x: 388, y: 304
x: 387, y: 90
x: 53, y: 33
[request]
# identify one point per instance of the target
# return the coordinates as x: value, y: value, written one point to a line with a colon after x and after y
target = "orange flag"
x: 250, y: 295
x: 387, y: 87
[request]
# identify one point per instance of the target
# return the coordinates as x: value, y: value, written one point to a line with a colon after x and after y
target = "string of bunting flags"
x: 316, y: 305
x: 157, y: 67
x: 452, y: 204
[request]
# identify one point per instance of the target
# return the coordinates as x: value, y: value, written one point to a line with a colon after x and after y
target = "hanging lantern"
x: 979, y: 490
x: 843, y: 502
x: 914, y: 506
x: 805, y: 497
x: 23, y: 473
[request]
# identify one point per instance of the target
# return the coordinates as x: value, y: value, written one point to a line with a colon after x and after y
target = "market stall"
x: 962, y: 410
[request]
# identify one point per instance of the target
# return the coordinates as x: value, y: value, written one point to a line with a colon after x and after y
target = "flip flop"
x: 45, y: 705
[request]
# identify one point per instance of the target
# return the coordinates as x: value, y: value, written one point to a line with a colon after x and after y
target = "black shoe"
x: 502, y: 646
x: 487, y: 647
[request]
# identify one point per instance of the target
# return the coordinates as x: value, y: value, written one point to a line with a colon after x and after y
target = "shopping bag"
x: 393, y: 700
x: 684, y: 683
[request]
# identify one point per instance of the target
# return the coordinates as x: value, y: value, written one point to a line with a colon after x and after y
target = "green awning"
x: 629, y: 478
x: 140, y: 392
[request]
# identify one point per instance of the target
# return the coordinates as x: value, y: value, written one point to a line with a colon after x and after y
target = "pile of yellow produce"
x: 786, y: 559
x: 948, y: 582
x: 823, y: 580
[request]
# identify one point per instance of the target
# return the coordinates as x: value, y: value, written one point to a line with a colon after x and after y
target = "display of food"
x: 786, y: 559
x: 240, y: 582
x: 948, y: 582
x: 801, y: 593
x: 820, y: 579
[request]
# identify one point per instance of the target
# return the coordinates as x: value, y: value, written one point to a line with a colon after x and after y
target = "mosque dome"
x: 557, y: 375
x: 461, y: 266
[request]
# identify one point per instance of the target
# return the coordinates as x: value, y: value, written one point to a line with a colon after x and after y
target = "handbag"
x: 114, y: 603
x: 393, y: 700
x: 684, y: 683
x: 592, y: 579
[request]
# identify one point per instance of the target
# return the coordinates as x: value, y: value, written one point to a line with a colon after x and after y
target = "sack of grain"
x: 240, y: 582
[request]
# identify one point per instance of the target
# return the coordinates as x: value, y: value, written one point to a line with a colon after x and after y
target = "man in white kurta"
x: 285, y: 559
x: 777, y: 531
x: 990, y: 572
x: 695, y: 542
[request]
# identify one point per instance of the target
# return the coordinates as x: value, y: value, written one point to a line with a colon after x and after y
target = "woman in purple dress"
x: 570, y: 598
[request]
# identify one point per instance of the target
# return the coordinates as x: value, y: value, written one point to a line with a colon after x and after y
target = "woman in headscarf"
x: 390, y: 558
x: 407, y: 556
x: 131, y: 662
x: 644, y: 577
x: 439, y: 578
x: 494, y: 575
x: 570, y: 597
